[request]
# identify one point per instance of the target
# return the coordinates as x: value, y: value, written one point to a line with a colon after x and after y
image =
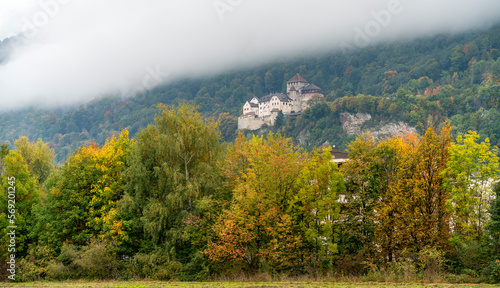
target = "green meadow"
x: 158, y: 284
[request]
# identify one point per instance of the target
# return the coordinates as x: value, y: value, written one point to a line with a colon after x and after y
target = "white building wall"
x: 264, y: 109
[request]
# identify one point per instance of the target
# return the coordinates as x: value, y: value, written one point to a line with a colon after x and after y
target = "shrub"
x: 34, y: 266
x: 156, y: 265
x: 196, y: 270
x: 492, y: 272
x: 144, y: 265
x: 96, y: 261
x: 58, y: 272
x: 430, y: 263
x: 168, y: 271
x: 403, y: 271
x: 472, y: 255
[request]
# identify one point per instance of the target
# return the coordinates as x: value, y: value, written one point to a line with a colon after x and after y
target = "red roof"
x: 297, y: 78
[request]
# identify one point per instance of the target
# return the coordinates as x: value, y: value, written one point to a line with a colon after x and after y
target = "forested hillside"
x: 452, y: 77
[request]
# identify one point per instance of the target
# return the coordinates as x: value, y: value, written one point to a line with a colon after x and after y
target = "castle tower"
x: 293, y: 93
x: 296, y: 82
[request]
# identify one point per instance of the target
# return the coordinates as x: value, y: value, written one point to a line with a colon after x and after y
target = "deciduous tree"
x: 470, y: 172
x: 172, y: 166
x: 17, y: 178
x: 81, y: 203
x: 38, y: 156
x: 283, y: 207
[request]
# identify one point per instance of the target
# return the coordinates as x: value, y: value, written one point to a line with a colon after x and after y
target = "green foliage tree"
x: 38, y: 155
x: 4, y: 150
x: 470, y: 172
x: 17, y: 178
x: 358, y: 203
x: 314, y: 209
x: 280, y: 121
x: 228, y: 125
x: 81, y: 203
x: 172, y: 169
x: 494, y: 224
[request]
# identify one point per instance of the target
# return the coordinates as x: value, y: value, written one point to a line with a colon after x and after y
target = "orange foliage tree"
x: 282, y: 209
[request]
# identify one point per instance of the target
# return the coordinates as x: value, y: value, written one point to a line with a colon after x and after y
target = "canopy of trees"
x: 176, y: 202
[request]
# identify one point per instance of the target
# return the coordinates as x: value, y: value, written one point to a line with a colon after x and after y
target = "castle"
x: 258, y: 112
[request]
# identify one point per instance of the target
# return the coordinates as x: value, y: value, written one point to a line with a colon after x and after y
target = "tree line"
x: 177, y: 202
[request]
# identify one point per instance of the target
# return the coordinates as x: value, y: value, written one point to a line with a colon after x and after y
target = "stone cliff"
x: 351, y: 124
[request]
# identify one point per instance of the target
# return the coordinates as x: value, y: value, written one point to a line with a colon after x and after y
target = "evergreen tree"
x: 494, y: 224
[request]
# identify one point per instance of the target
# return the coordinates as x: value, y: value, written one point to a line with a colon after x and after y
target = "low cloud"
x: 75, y: 50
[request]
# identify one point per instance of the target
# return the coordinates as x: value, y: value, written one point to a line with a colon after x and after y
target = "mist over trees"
x: 451, y: 77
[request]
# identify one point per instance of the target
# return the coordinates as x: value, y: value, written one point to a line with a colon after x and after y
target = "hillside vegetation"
x: 453, y: 77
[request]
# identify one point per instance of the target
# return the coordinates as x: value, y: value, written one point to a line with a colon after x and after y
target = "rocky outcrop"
x: 393, y: 129
x: 303, y: 136
x: 351, y: 124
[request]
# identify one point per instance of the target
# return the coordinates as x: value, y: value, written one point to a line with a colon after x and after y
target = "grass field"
x: 157, y: 284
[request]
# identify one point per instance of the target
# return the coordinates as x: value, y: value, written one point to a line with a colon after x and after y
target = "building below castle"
x: 258, y: 112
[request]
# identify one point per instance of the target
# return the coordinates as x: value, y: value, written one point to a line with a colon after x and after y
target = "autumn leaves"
x: 183, y: 205
x: 282, y: 209
x: 410, y: 193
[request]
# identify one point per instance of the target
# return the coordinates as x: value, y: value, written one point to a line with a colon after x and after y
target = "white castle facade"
x: 258, y: 112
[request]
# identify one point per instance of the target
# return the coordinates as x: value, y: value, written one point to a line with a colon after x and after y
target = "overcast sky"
x: 75, y: 50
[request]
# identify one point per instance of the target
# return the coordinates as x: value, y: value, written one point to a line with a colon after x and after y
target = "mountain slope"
x: 452, y: 77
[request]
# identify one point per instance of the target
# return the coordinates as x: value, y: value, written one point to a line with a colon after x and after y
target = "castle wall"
x: 310, y: 95
x: 272, y: 118
x: 254, y: 123
x: 307, y: 97
x: 286, y: 107
x: 293, y: 95
x: 250, y: 122
x: 296, y: 106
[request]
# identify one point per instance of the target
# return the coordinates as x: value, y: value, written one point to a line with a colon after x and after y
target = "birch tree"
x: 171, y: 167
